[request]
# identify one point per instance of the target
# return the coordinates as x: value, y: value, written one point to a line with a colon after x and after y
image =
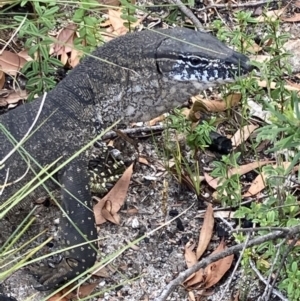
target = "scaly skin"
x: 139, y: 76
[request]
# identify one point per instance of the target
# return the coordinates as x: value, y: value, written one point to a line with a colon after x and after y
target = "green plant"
x: 88, y: 26
x: 185, y: 167
x: 240, y: 36
x: 196, y: 137
x: 229, y: 187
x: 284, y: 132
x: 128, y: 11
x: 279, y: 207
x: 40, y: 71
x: 291, y: 283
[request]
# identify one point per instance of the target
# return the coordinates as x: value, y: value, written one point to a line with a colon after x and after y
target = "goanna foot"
x: 54, y: 275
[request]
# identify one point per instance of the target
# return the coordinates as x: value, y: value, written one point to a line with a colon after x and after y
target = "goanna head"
x: 197, y: 56
x: 155, y: 71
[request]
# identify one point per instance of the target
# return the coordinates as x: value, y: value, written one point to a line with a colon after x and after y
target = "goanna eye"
x: 195, y: 61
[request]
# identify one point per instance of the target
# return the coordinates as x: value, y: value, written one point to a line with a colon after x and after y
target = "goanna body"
x: 135, y: 77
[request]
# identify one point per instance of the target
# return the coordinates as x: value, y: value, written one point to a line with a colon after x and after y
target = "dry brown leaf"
x: 106, y: 23
x: 189, y: 254
x: 2, y: 79
x: 12, y: 97
x: 108, y: 207
x: 191, y: 259
x: 65, y: 40
x: 294, y: 18
x: 242, y: 134
x: 78, y: 293
x: 24, y: 54
x: 11, y: 63
x: 216, y: 270
x: 98, y: 211
x: 118, y: 193
x: 115, y: 219
x: 243, y: 169
x: 75, y: 57
x: 191, y: 296
x: 85, y: 290
x: 132, y: 211
x: 196, y: 278
x: 214, y: 105
x: 297, y: 3
x: 272, y: 15
x: 296, y: 244
x: 206, y: 231
x: 185, y: 112
x: 157, y: 120
x: 292, y: 84
x: 64, y: 58
x: 264, y: 84
x: 143, y: 161
x: 254, y: 48
x: 259, y: 183
x: 117, y: 22
x: 212, y: 182
x: 58, y: 297
x: 103, y: 272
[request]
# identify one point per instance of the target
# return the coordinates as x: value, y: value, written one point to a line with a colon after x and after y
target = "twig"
x: 237, y: 5
x: 188, y: 13
x: 283, y: 260
x: 13, y: 35
x: 205, y: 262
x: 235, y: 268
x: 259, y: 229
x: 261, y: 278
x: 269, y: 288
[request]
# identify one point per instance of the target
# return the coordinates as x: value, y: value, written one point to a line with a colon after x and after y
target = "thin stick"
x: 232, y: 250
x: 188, y: 13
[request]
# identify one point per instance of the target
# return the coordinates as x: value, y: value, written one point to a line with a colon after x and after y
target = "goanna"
x: 134, y: 77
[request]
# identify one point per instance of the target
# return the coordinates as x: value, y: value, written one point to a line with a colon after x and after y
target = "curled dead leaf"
x: 9, y: 97
x: 216, y: 270
x: 11, y: 63
x: 189, y: 254
x: 109, y: 206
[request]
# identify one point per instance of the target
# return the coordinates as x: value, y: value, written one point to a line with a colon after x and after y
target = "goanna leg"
x: 77, y: 204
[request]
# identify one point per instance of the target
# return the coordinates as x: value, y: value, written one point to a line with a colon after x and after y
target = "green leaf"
x: 90, y: 21
x: 51, y: 11
x: 79, y: 14
x: 44, y: 51
x: 55, y: 62
x: 33, y: 29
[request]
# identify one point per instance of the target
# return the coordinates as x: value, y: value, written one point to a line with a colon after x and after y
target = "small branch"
x: 188, y: 13
x: 205, y: 262
x: 235, y: 268
x: 282, y: 262
x: 237, y: 5
x: 270, y: 229
x: 13, y: 35
x: 262, y: 279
